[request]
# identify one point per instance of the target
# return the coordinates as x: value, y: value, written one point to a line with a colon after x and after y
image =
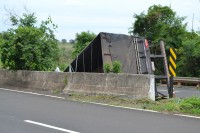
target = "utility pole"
x: 193, y: 23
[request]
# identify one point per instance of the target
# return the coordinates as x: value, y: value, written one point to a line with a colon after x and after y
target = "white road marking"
x: 26, y: 92
x: 196, y: 117
x: 103, y: 104
x: 49, y: 126
x: 166, y: 91
x: 145, y: 110
x: 189, y: 116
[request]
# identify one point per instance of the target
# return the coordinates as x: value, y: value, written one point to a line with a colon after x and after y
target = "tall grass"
x: 65, y: 51
x: 189, y: 105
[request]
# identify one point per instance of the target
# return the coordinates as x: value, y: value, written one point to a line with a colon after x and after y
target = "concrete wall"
x: 33, y: 79
x: 131, y: 85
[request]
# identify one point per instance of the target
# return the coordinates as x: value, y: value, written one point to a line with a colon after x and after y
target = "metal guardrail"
x: 186, y: 80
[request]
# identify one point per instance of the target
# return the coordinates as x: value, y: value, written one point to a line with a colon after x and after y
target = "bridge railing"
x: 185, y: 81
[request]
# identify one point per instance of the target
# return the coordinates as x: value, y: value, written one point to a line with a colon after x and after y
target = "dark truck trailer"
x: 132, y: 51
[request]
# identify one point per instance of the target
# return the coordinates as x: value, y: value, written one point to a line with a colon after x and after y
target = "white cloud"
x: 74, y: 16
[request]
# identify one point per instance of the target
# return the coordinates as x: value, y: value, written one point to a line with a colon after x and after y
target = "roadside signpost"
x: 172, y: 71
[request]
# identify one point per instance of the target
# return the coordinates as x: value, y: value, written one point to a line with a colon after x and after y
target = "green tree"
x: 82, y: 40
x: 160, y: 23
x: 64, y: 41
x: 0, y: 53
x: 71, y: 41
x: 189, y: 56
x: 29, y: 47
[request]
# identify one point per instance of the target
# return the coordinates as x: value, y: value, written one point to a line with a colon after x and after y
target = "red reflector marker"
x: 146, y: 43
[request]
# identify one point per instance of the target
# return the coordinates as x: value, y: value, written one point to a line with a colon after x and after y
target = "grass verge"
x: 189, y: 106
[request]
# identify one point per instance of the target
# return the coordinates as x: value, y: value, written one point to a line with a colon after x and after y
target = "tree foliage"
x: 82, y: 40
x: 29, y: 47
x: 160, y: 23
x: 71, y: 41
x: 64, y: 41
x: 189, y: 56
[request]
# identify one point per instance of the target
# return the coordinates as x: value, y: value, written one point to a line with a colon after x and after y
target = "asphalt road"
x: 26, y: 113
x: 180, y: 92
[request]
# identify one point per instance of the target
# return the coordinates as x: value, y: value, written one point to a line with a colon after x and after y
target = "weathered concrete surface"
x: 33, y: 79
x: 131, y: 85
x: 136, y: 86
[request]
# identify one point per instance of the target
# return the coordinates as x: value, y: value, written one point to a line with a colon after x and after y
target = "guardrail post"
x: 171, y: 86
x: 198, y: 85
x: 179, y: 84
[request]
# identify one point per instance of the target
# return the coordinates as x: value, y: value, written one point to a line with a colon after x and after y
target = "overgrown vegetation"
x: 56, y: 91
x: 82, y: 40
x: 1, y: 66
x: 65, y: 51
x: 189, y: 105
x: 69, y: 51
x: 162, y: 23
x: 117, y: 67
x: 29, y: 47
x: 65, y: 80
x: 189, y: 56
x: 107, y: 68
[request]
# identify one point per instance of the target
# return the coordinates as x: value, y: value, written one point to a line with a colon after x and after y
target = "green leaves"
x: 189, y: 56
x: 190, y: 105
x: 106, y: 68
x: 28, y: 47
x: 160, y: 23
x: 116, y: 67
x: 82, y: 40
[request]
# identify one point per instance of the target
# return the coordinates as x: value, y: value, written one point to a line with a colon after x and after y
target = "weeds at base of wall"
x: 116, y: 68
x: 56, y: 91
x: 108, y: 99
x: 65, y: 80
x: 190, y: 106
x: 106, y: 68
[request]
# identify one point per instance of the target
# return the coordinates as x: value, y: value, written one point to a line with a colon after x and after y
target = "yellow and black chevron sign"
x: 172, y: 62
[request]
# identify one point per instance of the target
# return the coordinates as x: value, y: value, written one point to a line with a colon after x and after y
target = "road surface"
x: 26, y: 113
x: 181, y: 92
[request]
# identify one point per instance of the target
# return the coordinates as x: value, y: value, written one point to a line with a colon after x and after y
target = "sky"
x: 114, y: 16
